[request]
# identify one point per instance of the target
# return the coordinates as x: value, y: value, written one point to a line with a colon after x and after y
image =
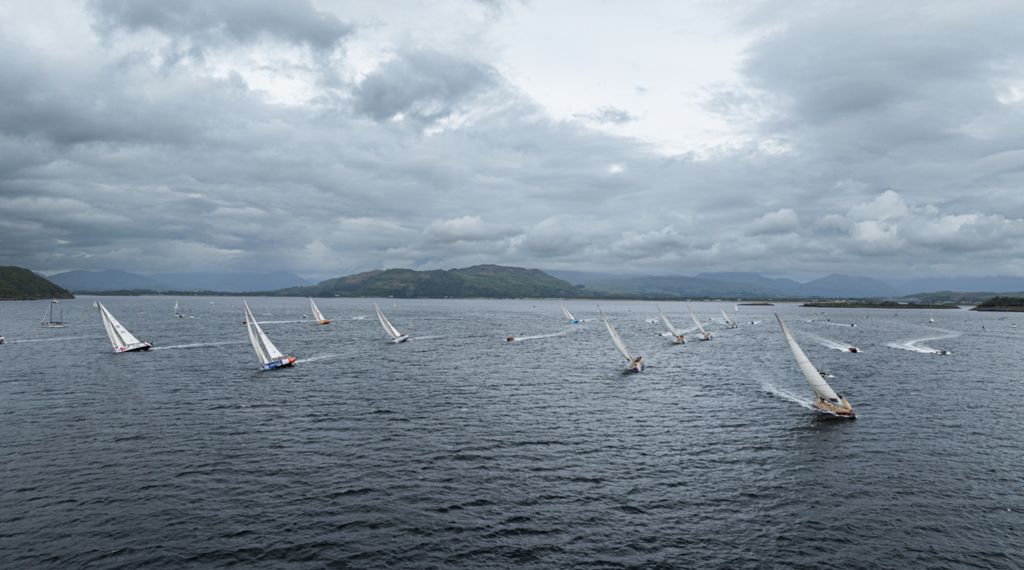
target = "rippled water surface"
x: 459, y: 449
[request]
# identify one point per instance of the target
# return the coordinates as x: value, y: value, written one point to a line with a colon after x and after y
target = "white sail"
x: 265, y: 349
x: 818, y: 384
x: 695, y: 321
x: 668, y: 324
x: 384, y: 322
x: 177, y: 309
x: 120, y: 338
x: 316, y: 312
x: 567, y: 314
x: 616, y: 339
x: 728, y: 321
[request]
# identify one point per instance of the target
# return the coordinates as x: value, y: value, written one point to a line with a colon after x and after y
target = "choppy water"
x: 458, y: 449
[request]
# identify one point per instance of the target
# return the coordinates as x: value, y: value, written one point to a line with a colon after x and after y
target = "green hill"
x: 1013, y: 304
x: 492, y: 281
x: 18, y: 284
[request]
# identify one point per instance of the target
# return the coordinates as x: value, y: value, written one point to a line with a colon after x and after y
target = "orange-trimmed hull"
x: 843, y: 410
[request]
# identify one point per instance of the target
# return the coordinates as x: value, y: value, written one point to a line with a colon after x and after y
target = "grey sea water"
x: 458, y: 449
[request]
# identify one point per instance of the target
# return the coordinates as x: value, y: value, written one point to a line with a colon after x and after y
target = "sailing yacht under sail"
x: 396, y: 337
x: 120, y: 338
x: 636, y: 363
x: 827, y: 400
x: 48, y: 320
x: 677, y: 335
x: 728, y: 322
x: 704, y: 335
x: 320, y: 318
x: 572, y: 320
x: 268, y: 354
x: 177, y: 311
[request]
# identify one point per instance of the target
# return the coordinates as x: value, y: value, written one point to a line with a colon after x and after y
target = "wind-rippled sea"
x: 459, y: 449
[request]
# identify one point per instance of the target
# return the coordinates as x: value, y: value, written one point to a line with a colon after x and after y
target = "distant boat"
x: 48, y: 320
x: 677, y: 335
x: 636, y: 363
x: 177, y: 311
x: 320, y: 318
x: 396, y: 337
x: 572, y: 320
x: 120, y: 338
x: 704, y: 335
x: 827, y: 399
x: 268, y: 354
x: 728, y: 322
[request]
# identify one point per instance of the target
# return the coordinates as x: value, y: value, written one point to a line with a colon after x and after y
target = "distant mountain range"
x: 493, y: 281
x: 114, y: 280
x: 20, y: 284
x: 754, y: 285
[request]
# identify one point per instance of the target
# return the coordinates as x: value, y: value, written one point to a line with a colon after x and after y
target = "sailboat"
x: 268, y: 354
x: 677, y: 335
x: 704, y: 335
x: 728, y: 322
x: 177, y: 311
x: 120, y: 338
x: 396, y: 337
x: 636, y: 363
x: 572, y: 320
x: 49, y: 322
x: 320, y: 318
x: 827, y: 400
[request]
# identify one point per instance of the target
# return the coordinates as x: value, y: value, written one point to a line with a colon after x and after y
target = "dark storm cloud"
x: 861, y: 152
x: 215, y: 21
x: 422, y: 85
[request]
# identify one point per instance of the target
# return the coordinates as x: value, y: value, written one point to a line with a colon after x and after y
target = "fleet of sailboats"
x: 120, y: 338
x: 704, y: 335
x: 268, y: 354
x: 48, y: 320
x: 677, y: 335
x: 396, y: 337
x: 636, y: 362
x: 827, y: 400
x: 317, y: 315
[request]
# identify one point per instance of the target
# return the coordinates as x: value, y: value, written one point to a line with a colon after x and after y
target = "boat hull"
x: 134, y: 347
x: 323, y: 322
x: 280, y: 363
x: 843, y: 411
x: 402, y: 338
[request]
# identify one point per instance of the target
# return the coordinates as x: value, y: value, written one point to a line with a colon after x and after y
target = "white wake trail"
x: 54, y: 339
x: 833, y: 344
x: 536, y: 336
x: 787, y: 395
x: 316, y: 358
x: 197, y: 345
x: 917, y: 344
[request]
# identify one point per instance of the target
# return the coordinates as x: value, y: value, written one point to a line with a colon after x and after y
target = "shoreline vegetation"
x: 876, y: 305
x: 1002, y: 304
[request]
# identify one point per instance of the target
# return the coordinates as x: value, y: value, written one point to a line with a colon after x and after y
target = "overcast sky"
x: 328, y: 137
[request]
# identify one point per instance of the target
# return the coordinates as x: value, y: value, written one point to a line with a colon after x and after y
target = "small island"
x: 1007, y: 304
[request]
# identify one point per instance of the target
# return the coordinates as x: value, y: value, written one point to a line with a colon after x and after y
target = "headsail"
x: 818, y: 384
x: 119, y: 336
x: 616, y: 339
x: 384, y: 322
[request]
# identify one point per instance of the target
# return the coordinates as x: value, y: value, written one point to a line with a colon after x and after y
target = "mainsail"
x: 818, y: 384
x: 728, y: 321
x: 265, y: 350
x: 120, y: 338
x: 316, y: 312
x: 695, y: 321
x: 668, y: 324
x: 616, y: 339
x: 567, y: 314
x: 388, y: 327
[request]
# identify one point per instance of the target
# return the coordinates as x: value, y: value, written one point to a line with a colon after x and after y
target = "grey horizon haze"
x: 325, y: 138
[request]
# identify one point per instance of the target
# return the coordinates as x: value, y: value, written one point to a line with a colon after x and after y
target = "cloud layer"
x: 160, y: 136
